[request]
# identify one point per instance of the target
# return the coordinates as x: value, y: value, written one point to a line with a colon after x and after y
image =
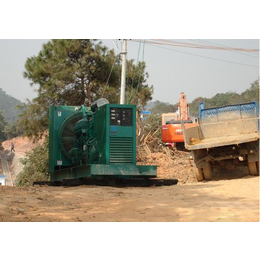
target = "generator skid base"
x: 120, y: 171
x: 112, y: 182
x: 108, y: 175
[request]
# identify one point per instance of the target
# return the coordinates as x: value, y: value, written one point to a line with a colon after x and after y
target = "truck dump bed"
x: 221, y: 126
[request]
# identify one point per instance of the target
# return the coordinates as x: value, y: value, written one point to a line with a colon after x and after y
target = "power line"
x: 114, y: 63
x: 200, y: 46
x: 116, y: 45
x: 211, y: 43
x: 197, y: 46
x: 137, y: 60
x: 141, y: 69
x: 206, y: 57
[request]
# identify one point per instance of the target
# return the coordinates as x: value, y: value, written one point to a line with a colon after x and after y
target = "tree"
x: 252, y: 94
x: 228, y: 98
x: 194, y: 106
x: 35, y: 166
x: 163, y: 107
x: 137, y: 91
x: 2, y: 132
x: 12, y: 130
x: 154, y: 121
x: 72, y: 72
x: 76, y: 72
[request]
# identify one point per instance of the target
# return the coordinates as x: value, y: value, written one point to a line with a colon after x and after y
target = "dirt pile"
x: 236, y: 200
x: 21, y: 144
x: 171, y: 164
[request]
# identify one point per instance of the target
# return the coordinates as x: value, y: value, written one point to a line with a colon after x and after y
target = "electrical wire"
x: 141, y: 69
x: 116, y: 45
x: 211, y: 43
x: 136, y: 65
x: 201, y: 56
x: 114, y: 63
x: 118, y: 67
x: 199, y: 46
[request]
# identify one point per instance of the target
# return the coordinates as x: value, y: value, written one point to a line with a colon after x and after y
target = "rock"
x: 20, y: 210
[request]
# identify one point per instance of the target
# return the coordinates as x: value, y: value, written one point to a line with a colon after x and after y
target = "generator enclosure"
x: 94, y: 142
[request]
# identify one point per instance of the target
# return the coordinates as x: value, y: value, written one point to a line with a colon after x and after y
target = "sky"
x: 196, y: 72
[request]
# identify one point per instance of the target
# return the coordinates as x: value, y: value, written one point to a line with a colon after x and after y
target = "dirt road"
x: 5, y: 169
x: 220, y: 200
x: 231, y: 196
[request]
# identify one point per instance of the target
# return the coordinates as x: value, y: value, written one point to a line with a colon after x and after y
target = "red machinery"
x: 172, y: 133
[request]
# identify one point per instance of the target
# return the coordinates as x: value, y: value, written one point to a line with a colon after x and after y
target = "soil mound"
x: 21, y: 144
x: 171, y: 164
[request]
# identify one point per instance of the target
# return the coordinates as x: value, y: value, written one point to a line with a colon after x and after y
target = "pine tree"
x: 76, y: 72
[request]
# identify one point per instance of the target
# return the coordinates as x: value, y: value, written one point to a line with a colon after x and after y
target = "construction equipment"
x: 226, y: 136
x: 172, y: 133
x: 97, y: 143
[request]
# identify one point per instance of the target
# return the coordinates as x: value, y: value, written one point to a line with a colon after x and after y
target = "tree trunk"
x: 83, y: 91
x: 89, y: 96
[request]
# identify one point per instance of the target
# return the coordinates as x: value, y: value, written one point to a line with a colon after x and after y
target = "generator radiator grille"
x: 121, y: 150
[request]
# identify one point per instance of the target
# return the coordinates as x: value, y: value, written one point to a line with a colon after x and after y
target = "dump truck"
x: 226, y: 136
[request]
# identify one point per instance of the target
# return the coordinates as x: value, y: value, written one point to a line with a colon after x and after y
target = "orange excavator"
x: 172, y: 133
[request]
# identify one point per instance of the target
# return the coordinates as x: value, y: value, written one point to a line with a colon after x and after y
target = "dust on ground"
x: 235, y: 200
x: 232, y: 196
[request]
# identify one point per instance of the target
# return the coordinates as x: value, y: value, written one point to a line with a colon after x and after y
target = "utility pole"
x: 123, y: 74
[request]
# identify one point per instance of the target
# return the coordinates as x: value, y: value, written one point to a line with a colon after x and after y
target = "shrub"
x: 35, y: 165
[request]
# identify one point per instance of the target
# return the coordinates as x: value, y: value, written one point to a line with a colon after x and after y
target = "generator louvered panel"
x: 121, y: 150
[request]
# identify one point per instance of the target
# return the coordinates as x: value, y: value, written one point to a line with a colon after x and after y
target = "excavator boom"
x: 172, y: 132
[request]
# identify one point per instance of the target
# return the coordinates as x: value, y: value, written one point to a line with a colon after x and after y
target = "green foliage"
x: 220, y: 99
x: 35, y: 166
x: 163, y: 107
x: 12, y: 130
x: 153, y: 122
x: 229, y: 98
x: 2, y: 127
x: 9, y: 111
x: 137, y: 91
x: 75, y: 72
x: 252, y: 93
x: 34, y: 120
x: 8, y: 106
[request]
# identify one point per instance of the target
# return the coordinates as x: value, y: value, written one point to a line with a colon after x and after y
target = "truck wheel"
x: 252, y: 167
x: 207, y: 172
x: 199, y: 175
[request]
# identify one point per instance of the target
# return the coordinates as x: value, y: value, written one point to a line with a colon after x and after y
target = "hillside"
x: 229, y: 98
x: 8, y: 106
x: 220, y: 99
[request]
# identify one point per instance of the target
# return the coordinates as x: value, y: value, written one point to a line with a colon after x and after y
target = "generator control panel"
x: 121, y: 116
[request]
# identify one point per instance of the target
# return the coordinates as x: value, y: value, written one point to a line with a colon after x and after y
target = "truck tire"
x: 252, y: 168
x: 199, y: 174
x: 207, y: 172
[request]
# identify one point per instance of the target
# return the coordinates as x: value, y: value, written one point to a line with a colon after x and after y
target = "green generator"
x: 96, y: 142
